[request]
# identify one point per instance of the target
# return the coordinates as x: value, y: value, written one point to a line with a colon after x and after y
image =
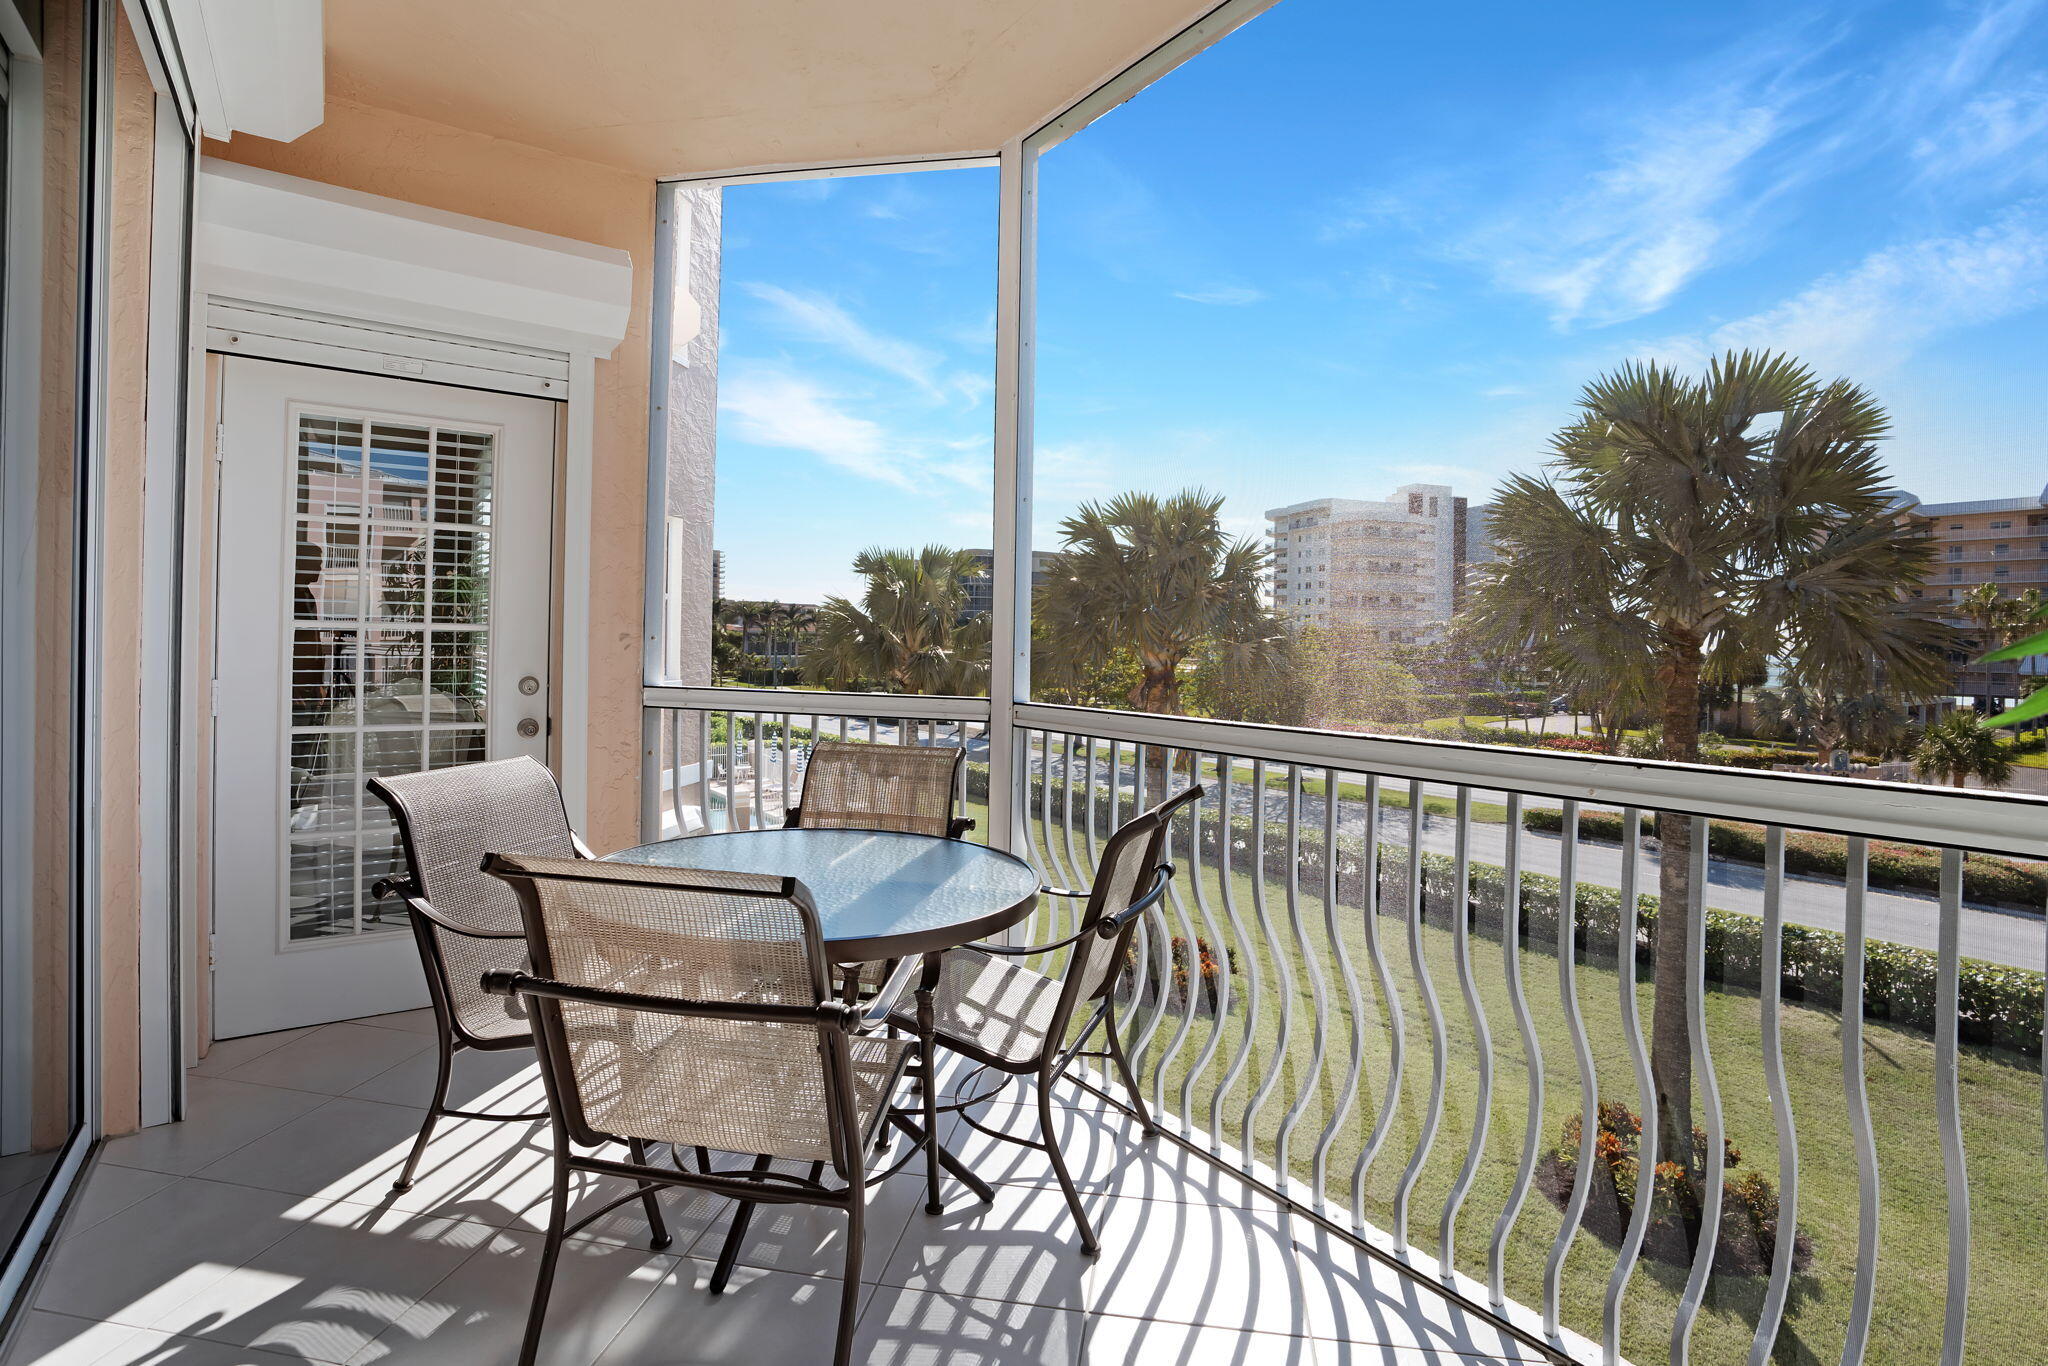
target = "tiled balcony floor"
x: 264, y: 1231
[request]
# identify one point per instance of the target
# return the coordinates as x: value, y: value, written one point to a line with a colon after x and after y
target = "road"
x: 1989, y: 933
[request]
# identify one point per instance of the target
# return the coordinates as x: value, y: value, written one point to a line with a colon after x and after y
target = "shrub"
x: 1749, y: 1201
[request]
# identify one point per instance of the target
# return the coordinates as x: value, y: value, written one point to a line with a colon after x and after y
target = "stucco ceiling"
x: 672, y: 87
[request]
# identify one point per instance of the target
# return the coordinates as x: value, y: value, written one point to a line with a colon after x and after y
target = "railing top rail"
x: 803, y: 702
x: 2006, y: 823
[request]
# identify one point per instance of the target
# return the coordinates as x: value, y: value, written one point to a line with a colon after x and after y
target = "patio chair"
x: 696, y: 1009
x: 907, y: 788
x: 993, y: 1010
x: 467, y: 924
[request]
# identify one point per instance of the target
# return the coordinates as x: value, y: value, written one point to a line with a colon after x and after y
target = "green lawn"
x: 2001, y: 1103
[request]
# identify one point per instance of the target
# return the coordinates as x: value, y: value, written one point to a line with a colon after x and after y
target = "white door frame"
x: 289, y: 243
x: 268, y: 977
x: 282, y: 241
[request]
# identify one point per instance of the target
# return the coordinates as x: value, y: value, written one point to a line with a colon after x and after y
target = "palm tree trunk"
x: 1670, y: 1035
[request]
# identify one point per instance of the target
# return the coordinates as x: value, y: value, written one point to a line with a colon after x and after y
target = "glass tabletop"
x: 879, y: 894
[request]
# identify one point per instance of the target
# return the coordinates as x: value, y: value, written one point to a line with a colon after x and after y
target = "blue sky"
x: 1350, y: 248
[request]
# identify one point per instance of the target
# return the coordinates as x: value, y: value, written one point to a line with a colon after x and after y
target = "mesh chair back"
x: 907, y: 788
x: 448, y: 819
x: 1124, y: 874
x: 743, y: 939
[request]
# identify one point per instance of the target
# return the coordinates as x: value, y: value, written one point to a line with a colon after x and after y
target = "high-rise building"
x: 981, y: 592
x: 1395, y: 570
x: 1999, y: 543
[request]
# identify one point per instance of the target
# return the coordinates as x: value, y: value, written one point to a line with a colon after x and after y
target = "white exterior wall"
x: 1386, y: 567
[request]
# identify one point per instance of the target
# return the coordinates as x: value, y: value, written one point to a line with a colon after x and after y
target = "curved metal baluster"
x: 1191, y: 945
x: 1468, y: 985
x: 1582, y: 1049
x: 1771, y: 985
x: 1056, y: 874
x: 1710, y: 1102
x: 1948, y: 1104
x: 1152, y: 946
x: 1220, y: 1008
x: 785, y: 765
x: 1270, y: 942
x: 1088, y: 811
x: 732, y: 813
x: 703, y: 772
x: 1855, y: 1089
x: 1141, y: 942
x: 1067, y: 808
x: 760, y: 764
x: 1254, y: 993
x: 1532, y: 1055
x: 1646, y: 1083
x: 1390, y: 1001
x: 1439, y: 1047
x: 1311, y: 1076
x: 1347, y: 1094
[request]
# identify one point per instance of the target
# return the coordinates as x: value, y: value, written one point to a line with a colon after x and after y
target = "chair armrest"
x: 960, y: 826
x: 793, y: 817
x: 883, y: 1006
x: 1062, y: 891
x: 1109, y: 927
x: 516, y: 984
x: 1113, y: 925
x: 403, y: 888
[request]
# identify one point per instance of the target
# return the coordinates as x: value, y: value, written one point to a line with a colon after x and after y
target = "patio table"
x: 880, y: 895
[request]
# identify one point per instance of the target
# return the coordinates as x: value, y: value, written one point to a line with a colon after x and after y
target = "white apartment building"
x: 1394, y: 569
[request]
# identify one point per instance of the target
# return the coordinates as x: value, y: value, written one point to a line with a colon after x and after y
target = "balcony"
x: 1370, y: 1053
x: 263, y: 1230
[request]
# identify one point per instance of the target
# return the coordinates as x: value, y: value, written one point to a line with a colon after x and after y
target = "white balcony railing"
x: 1394, y: 972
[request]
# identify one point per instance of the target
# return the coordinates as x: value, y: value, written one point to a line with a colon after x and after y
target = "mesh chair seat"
x: 986, y: 1005
x: 732, y: 1093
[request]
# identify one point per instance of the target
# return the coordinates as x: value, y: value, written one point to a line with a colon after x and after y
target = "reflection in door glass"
x: 390, y: 663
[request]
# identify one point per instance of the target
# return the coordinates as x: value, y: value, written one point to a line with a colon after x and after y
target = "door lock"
x: 528, y: 728
x: 529, y: 685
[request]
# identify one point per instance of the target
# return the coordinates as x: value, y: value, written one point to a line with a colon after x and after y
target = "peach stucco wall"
x: 421, y: 162
x: 122, y: 683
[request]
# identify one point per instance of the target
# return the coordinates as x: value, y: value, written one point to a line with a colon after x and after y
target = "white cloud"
x: 1627, y: 238
x: 1871, y: 316
x: 1233, y: 296
x: 780, y: 410
x: 816, y: 318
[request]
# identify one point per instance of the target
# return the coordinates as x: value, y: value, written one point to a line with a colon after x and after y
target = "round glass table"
x: 879, y: 894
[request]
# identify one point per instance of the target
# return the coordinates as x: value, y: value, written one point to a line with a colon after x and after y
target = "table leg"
x: 928, y: 1093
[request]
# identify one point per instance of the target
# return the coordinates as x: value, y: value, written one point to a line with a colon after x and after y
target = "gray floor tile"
x: 332, y: 1059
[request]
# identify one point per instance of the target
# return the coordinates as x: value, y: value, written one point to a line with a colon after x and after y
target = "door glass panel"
x: 389, y: 666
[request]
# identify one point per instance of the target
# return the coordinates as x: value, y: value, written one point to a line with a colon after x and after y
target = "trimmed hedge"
x: 1997, y: 1005
x: 1908, y: 866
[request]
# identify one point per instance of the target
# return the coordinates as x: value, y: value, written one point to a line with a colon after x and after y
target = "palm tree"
x: 910, y: 632
x: 1691, y: 527
x: 1161, y: 578
x: 1958, y: 748
x: 1832, y: 713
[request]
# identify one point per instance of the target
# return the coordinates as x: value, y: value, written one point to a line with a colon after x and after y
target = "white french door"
x: 384, y: 571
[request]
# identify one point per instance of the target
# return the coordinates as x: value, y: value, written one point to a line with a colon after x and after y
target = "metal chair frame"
x: 1055, y: 1057
x: 450, y: 1036
x: 839, y: 1024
